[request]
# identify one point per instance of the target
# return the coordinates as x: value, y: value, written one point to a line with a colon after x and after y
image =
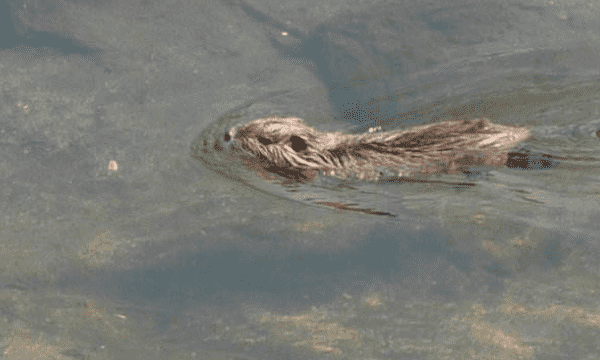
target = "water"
x: 171, y: 257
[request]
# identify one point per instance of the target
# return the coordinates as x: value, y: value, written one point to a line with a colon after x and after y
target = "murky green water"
x: 116, y: 243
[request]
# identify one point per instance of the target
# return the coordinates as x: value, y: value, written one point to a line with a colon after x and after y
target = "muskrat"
x: 288, y: 147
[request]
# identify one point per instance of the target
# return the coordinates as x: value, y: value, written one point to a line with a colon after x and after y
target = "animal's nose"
x: 204, y: 147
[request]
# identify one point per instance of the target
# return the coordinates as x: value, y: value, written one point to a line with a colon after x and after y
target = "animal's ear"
x: 298, y: 143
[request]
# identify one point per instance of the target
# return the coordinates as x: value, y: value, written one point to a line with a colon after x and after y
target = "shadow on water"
x: 17, y: 33
x: 375, y: 67
x: 208, y: 276
x: 197, y: 271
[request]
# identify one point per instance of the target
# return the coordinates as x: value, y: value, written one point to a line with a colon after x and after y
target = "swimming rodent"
x: 288, y: 147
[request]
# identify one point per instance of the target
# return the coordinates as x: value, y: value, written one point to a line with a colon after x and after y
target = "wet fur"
x: 290, y: 148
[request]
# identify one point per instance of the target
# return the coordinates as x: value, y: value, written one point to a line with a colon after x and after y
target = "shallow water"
x: 165, y: 256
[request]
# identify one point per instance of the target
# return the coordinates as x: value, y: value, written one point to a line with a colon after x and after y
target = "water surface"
x: 165, y: 256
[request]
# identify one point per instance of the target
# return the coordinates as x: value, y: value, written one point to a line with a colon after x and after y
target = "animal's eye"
x: 298, y: 143
x: 227, y: 137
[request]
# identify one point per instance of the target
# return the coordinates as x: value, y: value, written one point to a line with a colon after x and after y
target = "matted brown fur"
x: 290, y: 148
